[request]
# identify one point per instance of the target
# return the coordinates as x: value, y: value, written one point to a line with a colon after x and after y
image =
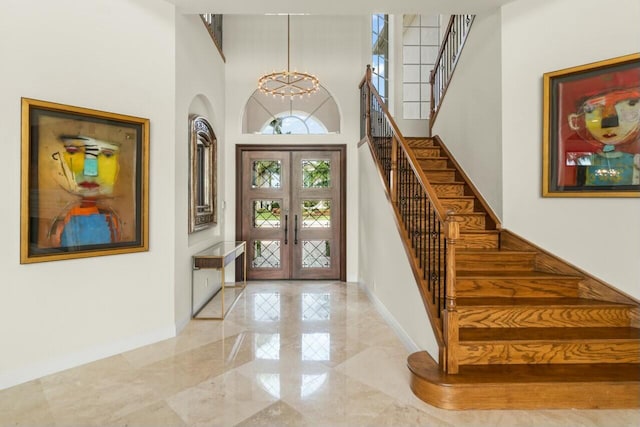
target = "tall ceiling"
x: 337, y: 7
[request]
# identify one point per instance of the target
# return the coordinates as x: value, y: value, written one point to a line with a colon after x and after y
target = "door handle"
x: 295, y: 230
x: 286, y: 229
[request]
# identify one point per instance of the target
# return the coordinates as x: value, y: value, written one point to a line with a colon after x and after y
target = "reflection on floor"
x: 288, y: 354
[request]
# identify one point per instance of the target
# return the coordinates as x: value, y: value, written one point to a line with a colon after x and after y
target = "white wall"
x: 600, y: 235
x: 111, y: 55
x: 469, y: 119
x: 384, y: 268
x: 199, y: 90
x: 336, y: 50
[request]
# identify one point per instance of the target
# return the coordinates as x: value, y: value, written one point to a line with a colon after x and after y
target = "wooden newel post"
x: 393, y: 177
x: 451, y: 330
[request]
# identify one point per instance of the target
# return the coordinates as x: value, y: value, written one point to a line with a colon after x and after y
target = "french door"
x: 291, y: 212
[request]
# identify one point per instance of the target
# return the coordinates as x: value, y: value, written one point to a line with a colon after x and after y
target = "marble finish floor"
x: 288, y: 354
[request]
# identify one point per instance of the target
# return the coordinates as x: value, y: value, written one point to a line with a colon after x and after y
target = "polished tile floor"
x: 288, y: 354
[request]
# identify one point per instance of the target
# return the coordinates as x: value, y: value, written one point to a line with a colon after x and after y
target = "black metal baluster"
x: 423, y: 226
x: 439, y: 276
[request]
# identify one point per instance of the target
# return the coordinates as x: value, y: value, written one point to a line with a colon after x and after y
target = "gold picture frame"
x: 85, y: 182
x: 591, y: 130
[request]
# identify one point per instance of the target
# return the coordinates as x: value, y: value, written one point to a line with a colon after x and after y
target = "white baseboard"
x: 409, y: 344
x: 181, y: 324
x: 72, y: 360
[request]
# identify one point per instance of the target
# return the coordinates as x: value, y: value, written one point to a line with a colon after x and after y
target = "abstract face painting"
x: 591, y: 135
x: 91, y: 166
x: 85, y: 192
x: 89, y: 169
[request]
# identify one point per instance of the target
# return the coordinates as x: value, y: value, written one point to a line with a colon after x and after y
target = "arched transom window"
x: 316, y: 114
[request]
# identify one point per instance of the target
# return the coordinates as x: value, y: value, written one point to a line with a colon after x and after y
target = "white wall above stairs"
x: 493, y: 125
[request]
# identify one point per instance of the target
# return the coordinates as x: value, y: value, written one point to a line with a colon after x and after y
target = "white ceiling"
x: 337, y: 7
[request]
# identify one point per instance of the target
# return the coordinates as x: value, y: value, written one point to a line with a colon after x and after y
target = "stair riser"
x: 627, y: 351
x: 448, y: 189
x: 440, y: 176
x: 420, y: 143
x: 513, y: 395
x: 494, y: 262
x: 474, y: 241
x: 523, y: 288
x: 466, y: 222
x: 493, y: 265
x: 458, y: 205
x: 427, y: 152
x: 477, y: 241
x: 541, y: 317
x: 433, y: 163
x: 471, y: 222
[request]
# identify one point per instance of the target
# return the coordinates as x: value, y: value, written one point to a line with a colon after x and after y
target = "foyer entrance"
x: 290, y: 211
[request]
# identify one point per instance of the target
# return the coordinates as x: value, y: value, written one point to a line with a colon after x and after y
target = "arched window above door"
x: 316, y: 114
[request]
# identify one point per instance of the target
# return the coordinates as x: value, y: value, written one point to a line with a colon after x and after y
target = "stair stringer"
x: 589, y: 287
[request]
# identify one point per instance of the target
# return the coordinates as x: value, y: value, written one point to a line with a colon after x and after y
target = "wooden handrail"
x: 431, y: 193
x: 452, y: 43
x: 429, y: 232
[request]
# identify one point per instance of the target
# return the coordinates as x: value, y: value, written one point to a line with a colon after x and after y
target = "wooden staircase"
x: 530, y: 330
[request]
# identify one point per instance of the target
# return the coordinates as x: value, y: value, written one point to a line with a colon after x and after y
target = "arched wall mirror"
x: 202, y: 185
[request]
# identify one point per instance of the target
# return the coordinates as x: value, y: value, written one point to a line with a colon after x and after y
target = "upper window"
x: 298, y: 123
x: 380, y: 54
x: 420, y: 45
x: 267, y: 115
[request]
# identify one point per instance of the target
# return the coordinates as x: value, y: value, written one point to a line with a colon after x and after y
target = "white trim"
x: 409, y: 344
x: 181, y: 324
x: 72, y: 360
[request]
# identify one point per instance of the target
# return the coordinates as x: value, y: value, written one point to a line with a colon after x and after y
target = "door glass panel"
x: 266, y: 174
x: 316, y: 214
x: 266, y: 254
x: 266, y: 214
x: 316, y: 254
x: 316, y: 173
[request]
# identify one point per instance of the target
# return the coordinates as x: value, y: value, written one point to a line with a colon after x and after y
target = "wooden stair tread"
x: 492, y: 251
x: 548, y: 334
x: 438, y: 169
x: 472, y: 375
x: 469, y: 213
x: 454, y: 213
x: 423, y: 157
x: 541, y: 302
x: 502, y: 274
x: 456, y: 197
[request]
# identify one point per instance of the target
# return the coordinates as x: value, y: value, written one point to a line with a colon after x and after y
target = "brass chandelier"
x: 286, y: 82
